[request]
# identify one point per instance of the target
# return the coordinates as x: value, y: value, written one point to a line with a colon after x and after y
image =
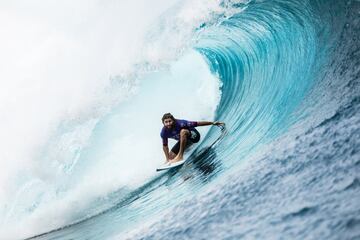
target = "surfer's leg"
x: 172, y: 155
x: 174, y: 150
x: 184, y: 134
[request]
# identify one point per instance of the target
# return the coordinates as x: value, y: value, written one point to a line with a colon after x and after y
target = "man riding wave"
x: 184, y: 132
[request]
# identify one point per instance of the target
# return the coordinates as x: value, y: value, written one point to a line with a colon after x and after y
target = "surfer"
x: 184, y: 132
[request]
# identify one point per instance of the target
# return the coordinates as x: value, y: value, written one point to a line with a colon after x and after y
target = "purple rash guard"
x: 175, y: 132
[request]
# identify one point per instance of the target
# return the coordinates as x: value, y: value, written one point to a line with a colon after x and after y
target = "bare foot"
x: 176, y: 159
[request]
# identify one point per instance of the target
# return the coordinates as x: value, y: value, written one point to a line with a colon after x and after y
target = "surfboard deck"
x: 167, y: 166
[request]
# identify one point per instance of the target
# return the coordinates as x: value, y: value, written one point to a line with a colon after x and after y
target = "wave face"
x: 267, y: 57
x: 288, y: 166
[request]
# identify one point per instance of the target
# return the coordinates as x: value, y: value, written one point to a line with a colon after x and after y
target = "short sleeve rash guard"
x: 175, y: 132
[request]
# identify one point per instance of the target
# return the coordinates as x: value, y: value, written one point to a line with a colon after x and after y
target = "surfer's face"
x: 168, y: 123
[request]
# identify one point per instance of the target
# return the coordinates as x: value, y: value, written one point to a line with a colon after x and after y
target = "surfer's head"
x: 168, y: 120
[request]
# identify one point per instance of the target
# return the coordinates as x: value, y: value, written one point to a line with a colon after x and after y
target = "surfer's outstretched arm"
x: 206, y: 123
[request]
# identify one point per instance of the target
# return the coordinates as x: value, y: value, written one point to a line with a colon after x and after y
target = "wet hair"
x: 166, y: 116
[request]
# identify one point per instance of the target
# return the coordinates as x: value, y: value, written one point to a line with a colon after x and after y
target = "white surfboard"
x: 166, y: 166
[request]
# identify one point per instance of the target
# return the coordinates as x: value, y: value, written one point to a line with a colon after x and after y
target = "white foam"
x: 63, y: 67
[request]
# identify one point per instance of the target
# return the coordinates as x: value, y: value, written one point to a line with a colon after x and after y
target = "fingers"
x: 219, y: 123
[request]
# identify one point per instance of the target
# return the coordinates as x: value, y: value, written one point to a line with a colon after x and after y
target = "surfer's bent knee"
x: 184, y: 132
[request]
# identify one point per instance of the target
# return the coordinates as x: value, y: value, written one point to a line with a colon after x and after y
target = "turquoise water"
x: 288, y: 79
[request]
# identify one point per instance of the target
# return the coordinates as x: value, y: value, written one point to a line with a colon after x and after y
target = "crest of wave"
x: 65, y: 67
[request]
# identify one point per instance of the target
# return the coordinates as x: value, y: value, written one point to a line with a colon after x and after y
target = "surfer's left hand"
x: 218, y: 123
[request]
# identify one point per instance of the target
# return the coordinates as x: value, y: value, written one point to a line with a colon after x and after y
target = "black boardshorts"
x: 193, y: 138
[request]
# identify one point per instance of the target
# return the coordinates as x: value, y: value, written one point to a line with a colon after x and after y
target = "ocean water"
x: 84, y: 95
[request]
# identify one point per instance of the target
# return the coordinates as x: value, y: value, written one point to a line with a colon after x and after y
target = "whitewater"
x: 83, y: 88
